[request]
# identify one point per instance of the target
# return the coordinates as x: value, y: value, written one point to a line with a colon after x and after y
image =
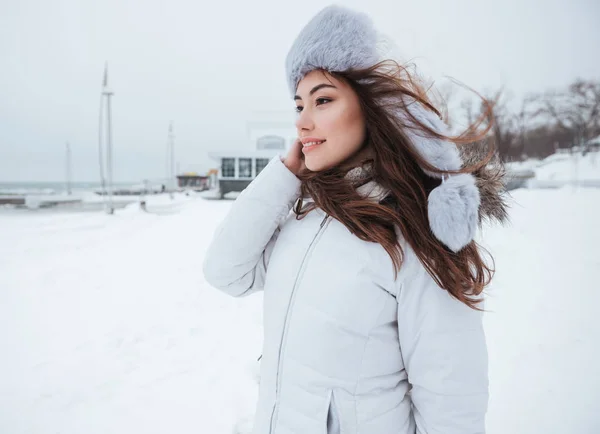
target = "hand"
x: 294, y: 160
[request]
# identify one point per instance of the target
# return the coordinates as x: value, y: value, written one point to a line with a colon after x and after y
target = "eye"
x: 321, y: 101
x: 298, y: 109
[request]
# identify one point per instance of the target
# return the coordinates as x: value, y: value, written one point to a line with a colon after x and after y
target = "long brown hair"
x: 382, y: 89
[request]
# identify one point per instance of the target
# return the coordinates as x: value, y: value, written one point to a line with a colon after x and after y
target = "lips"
x: 310, y: 145
x: 311, y: 140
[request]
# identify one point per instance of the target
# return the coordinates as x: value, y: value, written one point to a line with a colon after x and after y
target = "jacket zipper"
x: 322, y: 223
x: 285, y: 322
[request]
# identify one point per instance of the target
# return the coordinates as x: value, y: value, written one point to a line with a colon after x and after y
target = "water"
x: 82, y: 194
x: 25, y: 188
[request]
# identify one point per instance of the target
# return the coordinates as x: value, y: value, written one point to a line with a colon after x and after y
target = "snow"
x: 216, y: 194
x: 570, y: 167
x: 107, y: 325
x: 543, y: 329
x: 562, y: 169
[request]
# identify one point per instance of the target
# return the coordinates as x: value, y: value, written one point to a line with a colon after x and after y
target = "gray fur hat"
x: 336, y: 39
x: 340, y: 39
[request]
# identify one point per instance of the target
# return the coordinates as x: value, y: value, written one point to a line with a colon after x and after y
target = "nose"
x: 304, y: 122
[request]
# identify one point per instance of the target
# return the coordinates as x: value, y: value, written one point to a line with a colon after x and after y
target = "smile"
x: 313, y: 143
x: 309, y: 146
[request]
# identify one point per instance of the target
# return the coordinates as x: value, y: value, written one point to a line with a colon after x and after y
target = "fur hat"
x: 340, y: 39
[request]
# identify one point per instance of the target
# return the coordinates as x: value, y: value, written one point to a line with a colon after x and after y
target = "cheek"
x: 347, y: 128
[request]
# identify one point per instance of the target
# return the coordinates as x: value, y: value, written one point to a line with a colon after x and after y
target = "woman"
x: 362, y: 240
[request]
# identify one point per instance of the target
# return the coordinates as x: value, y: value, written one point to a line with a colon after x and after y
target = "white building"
x: 237, y: 168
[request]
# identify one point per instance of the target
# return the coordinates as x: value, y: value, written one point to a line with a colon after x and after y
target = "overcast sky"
x: 210, y: 66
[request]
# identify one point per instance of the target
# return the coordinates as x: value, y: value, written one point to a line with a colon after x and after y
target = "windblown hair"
x: 383, y: 89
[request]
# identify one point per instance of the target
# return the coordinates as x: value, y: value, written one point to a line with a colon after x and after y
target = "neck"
x: 358, y: 159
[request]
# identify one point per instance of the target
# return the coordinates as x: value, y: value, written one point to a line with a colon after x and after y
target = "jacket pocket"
x: 333, y: 417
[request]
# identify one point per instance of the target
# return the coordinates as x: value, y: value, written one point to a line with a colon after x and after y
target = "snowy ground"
x: 107, y: 325
x: 558, y: 170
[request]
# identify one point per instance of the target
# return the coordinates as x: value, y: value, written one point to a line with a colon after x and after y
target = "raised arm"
x: 237, y: 257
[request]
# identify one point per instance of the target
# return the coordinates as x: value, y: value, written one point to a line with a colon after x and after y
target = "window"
x: 228, y: 167
x: 260, y: 164
x: 245, y: 168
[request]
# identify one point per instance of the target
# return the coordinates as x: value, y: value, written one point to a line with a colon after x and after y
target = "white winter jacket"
x: 342, y: 337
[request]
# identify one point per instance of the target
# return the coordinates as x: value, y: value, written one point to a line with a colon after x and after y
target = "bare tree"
x: 523, y: 124
x: 503, y: 129
x: 541, y: 124
x: 576, y: 110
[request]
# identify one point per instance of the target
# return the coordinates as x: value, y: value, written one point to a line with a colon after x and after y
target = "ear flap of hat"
x: 453, y: 206
x: 440, y: 153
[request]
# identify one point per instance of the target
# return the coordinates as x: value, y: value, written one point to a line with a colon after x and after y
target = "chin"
x: 316, y: 164
x: 310, y: 165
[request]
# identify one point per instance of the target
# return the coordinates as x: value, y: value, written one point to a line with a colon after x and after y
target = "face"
x: 330, y: 122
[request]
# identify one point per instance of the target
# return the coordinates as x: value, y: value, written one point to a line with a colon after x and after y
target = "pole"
x: 171, y: 161
x: 100, y: 150
x: 109, y: 156
x: 68, y: 168
x: 107, y: 190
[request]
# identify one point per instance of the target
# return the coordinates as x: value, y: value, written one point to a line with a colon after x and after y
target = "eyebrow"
x: 316, y: 88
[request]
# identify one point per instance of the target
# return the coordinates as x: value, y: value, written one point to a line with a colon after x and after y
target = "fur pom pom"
x: 453, y: 210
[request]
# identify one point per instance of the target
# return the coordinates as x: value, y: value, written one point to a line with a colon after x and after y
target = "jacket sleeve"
x: 445, y: 356
x: 237, y: 257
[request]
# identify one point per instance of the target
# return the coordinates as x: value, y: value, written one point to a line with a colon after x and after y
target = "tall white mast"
x: 107, y: 93
x: 171, y: 160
